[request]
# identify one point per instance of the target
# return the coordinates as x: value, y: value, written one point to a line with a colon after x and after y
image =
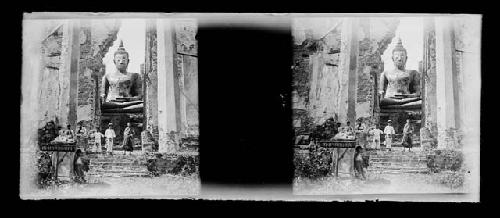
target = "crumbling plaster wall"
x: 54, y: 79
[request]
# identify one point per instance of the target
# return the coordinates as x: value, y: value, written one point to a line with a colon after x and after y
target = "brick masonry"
x: 317, y: 78
x: 95, y: 40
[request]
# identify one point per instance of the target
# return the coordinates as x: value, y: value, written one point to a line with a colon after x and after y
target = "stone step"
x: 398, y: 164
x: 127, y: 168
x: 119, y: 171
x: 100, y: 164
x: 397, y: 158
x: 397, y: 171
x: 396, y: 167
x: 117, y: 175
x: 116, y: 160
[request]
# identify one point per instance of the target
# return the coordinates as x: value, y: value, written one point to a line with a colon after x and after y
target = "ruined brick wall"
x: 96, y: 37
x: 186, y: 62
x: 301, y: 86
x: 317, y: 78
x: 375, y: 35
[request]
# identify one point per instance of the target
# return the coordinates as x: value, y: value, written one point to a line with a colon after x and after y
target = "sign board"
x: 58, y: 147
x: 338, y: 144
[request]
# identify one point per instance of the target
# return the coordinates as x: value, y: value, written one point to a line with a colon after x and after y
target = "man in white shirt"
x: 376, y: 137
x: 110, y: 136
x: 389, y: 133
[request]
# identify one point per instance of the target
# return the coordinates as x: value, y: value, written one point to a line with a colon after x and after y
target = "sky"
x: 133, y: 34
x: 410, y: 30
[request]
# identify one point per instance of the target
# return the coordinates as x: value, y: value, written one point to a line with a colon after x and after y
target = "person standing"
x: 407, y: 134
x: 97, y: 141
x: 81, y: 136
x: 79, y: 166
x: 359, y: 170
x: 389, y: 134
x: 360, y: 130
x: 110, y: 136
x: 128, y: 144
x: 376, y: 136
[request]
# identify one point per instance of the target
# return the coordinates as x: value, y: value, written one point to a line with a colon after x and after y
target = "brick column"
x: 150, y: 80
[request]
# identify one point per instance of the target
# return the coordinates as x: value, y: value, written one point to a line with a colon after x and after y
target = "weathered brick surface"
x: 375, y: 36
x: 317, y: 77
x: 95, y: 40
x: 151, y: 80
x: 186, y: 62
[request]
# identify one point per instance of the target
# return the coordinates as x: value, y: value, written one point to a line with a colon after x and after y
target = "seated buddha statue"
x: 121, y: 90
x: 400, y: 88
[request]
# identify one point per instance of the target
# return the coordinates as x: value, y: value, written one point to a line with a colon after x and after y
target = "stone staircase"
x: 117, y: 165
x: 396, y: 162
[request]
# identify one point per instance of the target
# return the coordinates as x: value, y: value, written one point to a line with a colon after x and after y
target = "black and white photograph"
x: 110, y: 107
x: 296, y: 107
x: 387, y: 104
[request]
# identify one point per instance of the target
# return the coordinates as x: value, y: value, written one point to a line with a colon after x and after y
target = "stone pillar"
x: 167, y: 108
x: 467, y: 51
x: 31, y: 71
x: 446, y: 120
x: 74, y: 67
x: 428, y: 132
x: 345, y: 49
x: 150, y: 80
x: 349, y: 49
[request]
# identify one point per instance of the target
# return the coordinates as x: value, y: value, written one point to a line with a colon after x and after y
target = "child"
x: 359, y: 171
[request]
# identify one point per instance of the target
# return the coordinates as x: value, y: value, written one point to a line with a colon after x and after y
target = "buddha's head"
x: 120, y: 58
x: 399, y: 55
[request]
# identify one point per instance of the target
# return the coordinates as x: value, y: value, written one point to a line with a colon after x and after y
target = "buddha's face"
x: 121, y: 61
x: 399, y: 59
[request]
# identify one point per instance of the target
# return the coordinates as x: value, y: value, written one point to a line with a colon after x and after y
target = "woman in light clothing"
x: 110, y: 136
